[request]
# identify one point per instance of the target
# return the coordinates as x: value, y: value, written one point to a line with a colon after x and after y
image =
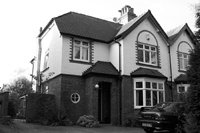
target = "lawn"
x: 20, y: 126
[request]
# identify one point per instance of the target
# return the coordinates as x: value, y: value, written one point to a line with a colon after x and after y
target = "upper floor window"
x: 183, y: 61
x: 46, y: 59
x: 148, y: 92
x: 184, y: 50
x: 147, y: 49
x: 81, y: 50
x: 182, y: 88
x: 147, y: 54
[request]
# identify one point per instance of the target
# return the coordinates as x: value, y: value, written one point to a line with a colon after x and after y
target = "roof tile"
x: 145, y: 72
x: 101, y: 67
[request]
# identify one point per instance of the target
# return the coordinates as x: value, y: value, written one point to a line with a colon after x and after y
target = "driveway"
x: 20, y: 126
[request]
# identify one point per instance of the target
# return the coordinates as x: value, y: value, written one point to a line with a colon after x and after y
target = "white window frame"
x: 186, y: 86
x: 81, y: 46
x: 46, y: 60
x: 144, y: 89
x: 183, y: 61
x: 150, y: 54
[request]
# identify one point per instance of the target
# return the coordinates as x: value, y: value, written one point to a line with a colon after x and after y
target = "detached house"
x: 112, y: 69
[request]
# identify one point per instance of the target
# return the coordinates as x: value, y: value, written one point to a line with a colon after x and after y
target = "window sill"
x: 81, y: 62
x: 182, y: 71
x: 45, y: 69
x: 141, y: 64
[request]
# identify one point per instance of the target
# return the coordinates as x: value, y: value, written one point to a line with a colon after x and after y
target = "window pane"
x: 153, y: 58
x: 140, y: 55
x: 148, y: 98
x: 147, y: 56
x: 139, y: 97
x: 153, y: 49
x: 46, y: 58
x: 185, y: 64
x: 140, y: 46
x: 77, y: 42
x: 139, y: 85
x: 148, y: 85
x: 85, y: 44
x: 154, y: 85
x: 160, y: 86
x: 161, y: 99
x: 181, y: 63
x: 179, y: 55
x: 181, y: 89
x: 185, y: 56
x: 154, y: 98
x: 146, y: 47
x: 85, y: 53
x: 77, y: 52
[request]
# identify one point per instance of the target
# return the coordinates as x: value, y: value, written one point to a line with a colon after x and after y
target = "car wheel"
x: 149, y: 130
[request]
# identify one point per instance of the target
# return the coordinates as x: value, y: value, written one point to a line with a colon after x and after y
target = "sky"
x: 21, y: 19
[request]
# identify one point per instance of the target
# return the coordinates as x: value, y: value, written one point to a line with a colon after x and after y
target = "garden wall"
x: 41, y: 108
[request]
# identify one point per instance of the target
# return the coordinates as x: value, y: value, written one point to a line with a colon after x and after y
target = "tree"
x: 193, y: 74
x: 18, y: 88
x: 21, y: 87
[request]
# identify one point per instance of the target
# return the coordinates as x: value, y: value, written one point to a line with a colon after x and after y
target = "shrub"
x: 87, y: 121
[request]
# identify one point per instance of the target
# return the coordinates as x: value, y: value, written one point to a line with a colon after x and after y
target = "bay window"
x: 148, y: 92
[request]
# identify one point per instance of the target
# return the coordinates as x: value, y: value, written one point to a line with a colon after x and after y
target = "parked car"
x: 164, y: 116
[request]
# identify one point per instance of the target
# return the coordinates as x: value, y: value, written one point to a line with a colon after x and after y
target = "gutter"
x: 170, y: 63
x: 38, y: 87
x: 120, y: 84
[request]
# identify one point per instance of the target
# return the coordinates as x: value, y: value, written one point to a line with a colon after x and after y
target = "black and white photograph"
x: 100, y: 66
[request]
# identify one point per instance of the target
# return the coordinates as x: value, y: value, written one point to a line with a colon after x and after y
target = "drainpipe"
x: 38, y: 87
x: 120, y: 84
x: 170, y: 63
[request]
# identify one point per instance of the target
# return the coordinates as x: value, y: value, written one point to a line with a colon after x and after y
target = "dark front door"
x: 104, y: 102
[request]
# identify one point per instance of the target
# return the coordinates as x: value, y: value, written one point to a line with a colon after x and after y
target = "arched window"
x: 147, y: 49
x: 183, y: 52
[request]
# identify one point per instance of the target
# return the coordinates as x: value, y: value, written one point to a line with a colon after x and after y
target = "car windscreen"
x: 165, y: 107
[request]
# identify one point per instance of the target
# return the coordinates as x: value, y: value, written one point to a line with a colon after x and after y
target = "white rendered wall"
x: 51, y: 42
x: 174, y: 57
x: 129, y: 50
x: 101, y: 53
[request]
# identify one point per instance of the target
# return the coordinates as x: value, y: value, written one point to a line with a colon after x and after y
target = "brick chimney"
x: 126, y: 14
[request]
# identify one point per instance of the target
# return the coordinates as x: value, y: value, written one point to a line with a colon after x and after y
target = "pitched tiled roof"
x: 81, y: 25
x: 127, y: 28
x: 181, y: 78
x: 145, y: 72
x: 176, y: 32
x: 88, y: 27
x: 100, y: 67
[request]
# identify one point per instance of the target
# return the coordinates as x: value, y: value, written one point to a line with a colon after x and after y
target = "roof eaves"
x: 188, y: 30
x: 152, y: 19
x: 160, y: 29
x: 46, y: 27
x: 134, y: 25
x: 87, y: 38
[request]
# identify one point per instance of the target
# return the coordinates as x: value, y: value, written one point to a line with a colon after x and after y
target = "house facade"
x: 112, y: 69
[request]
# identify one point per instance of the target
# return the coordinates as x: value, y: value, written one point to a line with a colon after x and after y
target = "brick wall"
x: 54, y: 87
x: 127, y: 100
x: 114, y: 96
x: 40, y: 108
x: 72, y: 84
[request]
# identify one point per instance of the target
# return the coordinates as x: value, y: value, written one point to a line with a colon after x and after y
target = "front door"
x: 104, y: 102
